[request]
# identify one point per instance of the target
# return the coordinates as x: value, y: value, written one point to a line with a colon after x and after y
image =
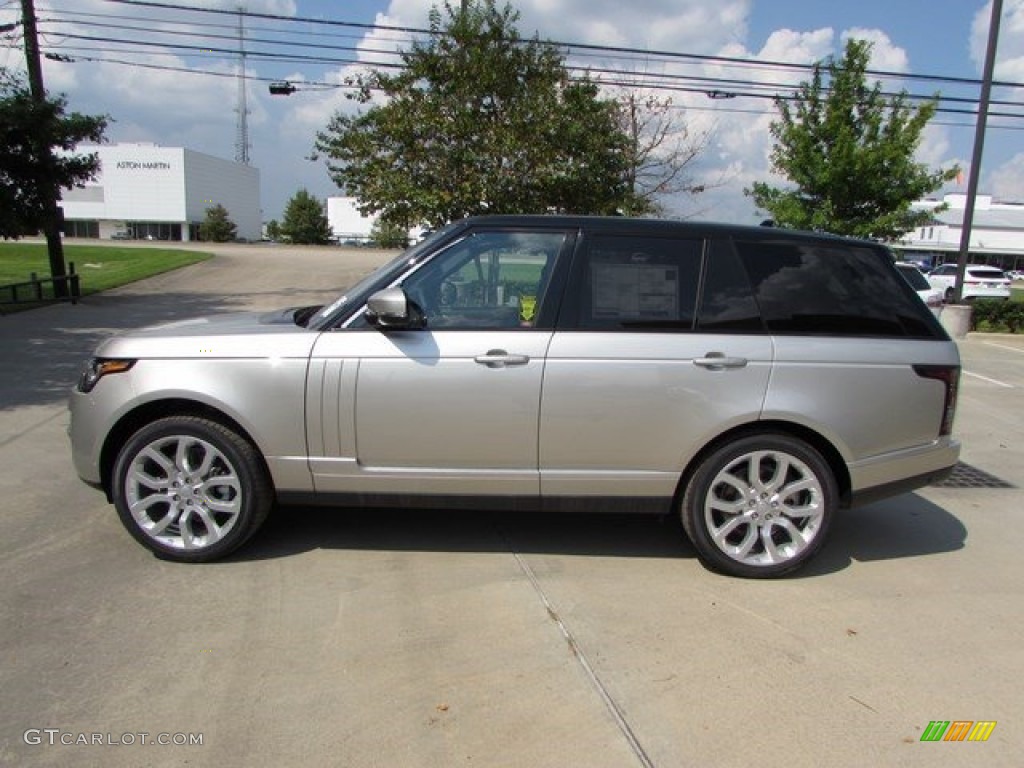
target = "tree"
x: 218, y: 227
x: 273, y: 230
x: 30, y: 170
x: 385, y: 234
x: 850, y: 152
x: 660, y: 152
x: 304, y: 221
x: 478, y: 120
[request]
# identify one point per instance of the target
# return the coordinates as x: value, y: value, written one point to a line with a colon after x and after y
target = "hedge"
x: 997, y: 315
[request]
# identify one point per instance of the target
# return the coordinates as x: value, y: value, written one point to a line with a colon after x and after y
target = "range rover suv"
x: 753, y: 381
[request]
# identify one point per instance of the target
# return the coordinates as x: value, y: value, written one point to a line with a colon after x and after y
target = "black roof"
x: 622, y: 224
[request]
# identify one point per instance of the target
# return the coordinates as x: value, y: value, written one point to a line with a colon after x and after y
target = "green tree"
x: 218, y: 226
x: 849, y: 151
x: 273, y: 230
x: 304, y: 221
x: 385, y: 234
x: 478, y: 120
x: 30, y: 169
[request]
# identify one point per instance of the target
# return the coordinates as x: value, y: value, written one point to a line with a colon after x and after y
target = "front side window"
x: 487, y: 280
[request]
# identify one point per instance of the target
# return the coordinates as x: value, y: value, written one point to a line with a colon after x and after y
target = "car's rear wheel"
x: 190, y: 489
x: 759, y: 506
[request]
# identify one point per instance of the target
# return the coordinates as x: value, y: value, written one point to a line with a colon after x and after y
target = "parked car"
x: 752, y: 381
x: 1015, y: 274
x: 932, y: 297
x: 980, y: 282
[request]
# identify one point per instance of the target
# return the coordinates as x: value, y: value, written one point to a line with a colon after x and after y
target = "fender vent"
x: 966, y: 476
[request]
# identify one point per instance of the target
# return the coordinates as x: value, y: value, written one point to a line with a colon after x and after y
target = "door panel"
x: 446, y: 412
x: 623, y: 413
x: 452, y: 408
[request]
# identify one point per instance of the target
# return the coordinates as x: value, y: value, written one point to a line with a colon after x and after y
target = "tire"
x: 949, y: 295
x: 759, y: 524
x: 190, y: 489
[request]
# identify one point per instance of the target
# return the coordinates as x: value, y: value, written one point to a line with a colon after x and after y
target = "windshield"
x: 381, y: 276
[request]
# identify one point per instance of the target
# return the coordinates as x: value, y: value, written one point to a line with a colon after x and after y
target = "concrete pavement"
x: 386, y: 638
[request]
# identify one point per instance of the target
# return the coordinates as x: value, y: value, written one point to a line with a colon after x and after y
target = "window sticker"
x: 646, y: 291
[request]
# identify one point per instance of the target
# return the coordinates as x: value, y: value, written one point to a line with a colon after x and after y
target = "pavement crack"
x: 581, y: 658
x: 20, y: 434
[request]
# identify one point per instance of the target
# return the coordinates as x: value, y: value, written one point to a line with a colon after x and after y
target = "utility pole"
x: 979, y: 146
x: 51, y: 217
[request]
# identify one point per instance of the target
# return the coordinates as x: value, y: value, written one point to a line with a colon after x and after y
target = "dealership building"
x: 148, y: 192
x: 997, y: 233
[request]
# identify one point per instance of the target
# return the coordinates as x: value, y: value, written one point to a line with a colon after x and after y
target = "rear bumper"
x: 902, y: 471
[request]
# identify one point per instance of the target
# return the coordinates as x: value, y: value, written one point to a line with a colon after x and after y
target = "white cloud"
x: 1010, y: 51
x: 1007, y: 181
x: 884, y: 55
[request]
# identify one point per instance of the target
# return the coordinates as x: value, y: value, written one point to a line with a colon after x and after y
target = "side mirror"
x: 391, y: 309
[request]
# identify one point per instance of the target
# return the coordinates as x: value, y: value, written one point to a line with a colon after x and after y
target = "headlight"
x: 99, y: 367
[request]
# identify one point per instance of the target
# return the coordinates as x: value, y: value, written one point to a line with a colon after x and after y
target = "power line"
x: 74, y: 15
x: 208, y: 36
x: 647, y: 54
x: 672, y: 82
x: 619, y: 72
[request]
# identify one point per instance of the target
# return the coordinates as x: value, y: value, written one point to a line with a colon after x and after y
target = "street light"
x: 282, y: 88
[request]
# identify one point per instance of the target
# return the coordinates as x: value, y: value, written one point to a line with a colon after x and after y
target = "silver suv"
x: 751, y: 380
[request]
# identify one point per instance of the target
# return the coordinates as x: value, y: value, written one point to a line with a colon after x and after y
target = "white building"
x: 348, y: 225
x: 346, y: 222
x: 144, y: 191
x: 997, y: 233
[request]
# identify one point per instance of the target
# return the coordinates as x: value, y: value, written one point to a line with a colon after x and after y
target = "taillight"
x: 950, y: 376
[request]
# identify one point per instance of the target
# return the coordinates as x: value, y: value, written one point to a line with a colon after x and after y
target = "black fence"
x: 39, y: 290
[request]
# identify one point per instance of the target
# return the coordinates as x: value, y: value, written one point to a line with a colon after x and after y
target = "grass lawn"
x: 99, y: 267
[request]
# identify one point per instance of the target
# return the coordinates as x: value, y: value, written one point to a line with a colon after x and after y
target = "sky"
x: 122, y: 64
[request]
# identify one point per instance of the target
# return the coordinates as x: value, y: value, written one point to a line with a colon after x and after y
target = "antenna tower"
x: 242, y: 144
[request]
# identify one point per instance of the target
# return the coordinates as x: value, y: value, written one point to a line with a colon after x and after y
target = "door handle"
x: 499, y: 358
x: 716, y: 361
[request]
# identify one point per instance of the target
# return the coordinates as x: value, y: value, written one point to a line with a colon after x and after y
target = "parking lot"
x: 400, y: 638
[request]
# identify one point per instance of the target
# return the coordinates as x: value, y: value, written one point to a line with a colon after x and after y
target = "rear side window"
x: 636, y: 283
x: 727, y: 304
x: 824, y: 288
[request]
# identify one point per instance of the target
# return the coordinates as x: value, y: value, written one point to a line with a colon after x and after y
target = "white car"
x: 980, y: 282
x: 930, y: 296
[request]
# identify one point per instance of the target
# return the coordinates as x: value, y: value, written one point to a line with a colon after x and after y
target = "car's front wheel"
x: 759, y: 506
x: 190, y: 489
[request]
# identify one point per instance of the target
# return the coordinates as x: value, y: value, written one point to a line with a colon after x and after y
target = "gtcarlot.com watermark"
x: 57, y: 736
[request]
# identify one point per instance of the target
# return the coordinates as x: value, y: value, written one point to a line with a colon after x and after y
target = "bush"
x: 997, y: 315
x: 217, y: 227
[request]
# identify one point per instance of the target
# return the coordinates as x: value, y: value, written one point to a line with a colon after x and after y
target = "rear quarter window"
x: 913, y: 276
x: 811, y: 287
